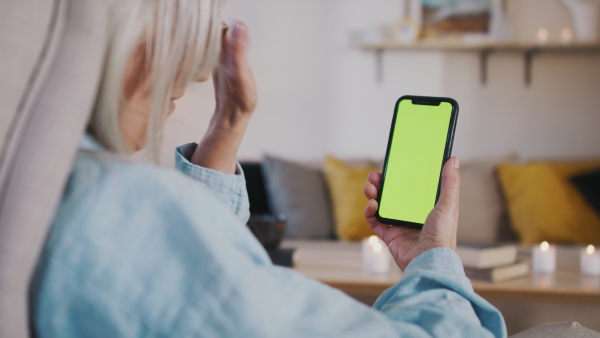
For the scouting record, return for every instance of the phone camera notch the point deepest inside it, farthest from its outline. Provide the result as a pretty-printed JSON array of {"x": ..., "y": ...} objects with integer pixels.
[{"x": 426, "y": 102}]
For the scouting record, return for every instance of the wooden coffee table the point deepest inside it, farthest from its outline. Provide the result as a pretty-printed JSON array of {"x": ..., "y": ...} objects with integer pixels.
[{"x": 338, "y": 264}]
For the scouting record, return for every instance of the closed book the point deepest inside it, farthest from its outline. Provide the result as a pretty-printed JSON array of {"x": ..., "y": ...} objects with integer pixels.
[
  {"x": 500, "y": 273},
  {"x": 486, "y": 256}
]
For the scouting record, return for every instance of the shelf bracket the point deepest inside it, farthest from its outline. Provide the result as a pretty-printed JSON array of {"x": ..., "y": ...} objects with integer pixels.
[
  {"x": 379, "y": 65},
  {"x": 483, "y": 65},
  {"x": 529, "y": 54}
]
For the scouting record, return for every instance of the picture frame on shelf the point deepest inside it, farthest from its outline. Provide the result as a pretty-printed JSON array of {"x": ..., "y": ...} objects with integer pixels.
[{"x": 457, "y": 19}]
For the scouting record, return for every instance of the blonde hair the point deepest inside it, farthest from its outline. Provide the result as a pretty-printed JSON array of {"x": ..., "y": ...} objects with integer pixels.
[{"x": 175, "y": 34}]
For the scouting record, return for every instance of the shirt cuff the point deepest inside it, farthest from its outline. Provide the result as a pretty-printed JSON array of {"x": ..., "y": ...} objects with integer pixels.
[
  {"x": 230, "y": 189},
  {"x": 435, "y": 268},
  {"x": 442, "y": 260}
]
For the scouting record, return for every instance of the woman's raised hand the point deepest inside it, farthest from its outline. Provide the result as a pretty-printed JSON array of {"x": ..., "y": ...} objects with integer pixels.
[
  {"x": 235, "y": 89},
  {"x": 235, "y": 93},
  {"x": 440, "y": 226}
]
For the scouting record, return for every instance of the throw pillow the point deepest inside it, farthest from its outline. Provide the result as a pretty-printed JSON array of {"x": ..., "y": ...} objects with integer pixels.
[
  {"x": 299, "y": 193},
  {"x": 588, "y": 185},
  {"x": 346, "y": 186},
  {"x": 544, "y": 206},
  {"x": 483, "y": 216}
]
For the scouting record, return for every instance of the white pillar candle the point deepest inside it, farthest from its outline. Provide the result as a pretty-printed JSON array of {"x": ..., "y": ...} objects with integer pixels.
[
  {"x": 375, "y": 255},
  {"x": 590, "y": 261},
  {"x": 544, "y": 258}
]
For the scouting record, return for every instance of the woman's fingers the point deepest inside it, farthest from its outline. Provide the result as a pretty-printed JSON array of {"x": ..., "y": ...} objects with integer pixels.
[
  {"x": 378, "y": 228},
  {"x": 239, "y": 38},
  {"x": 374, "y": 178},
  {"x": 235, "y": 88},
  {"x": 240, "y": 82},
  {"x": 370, "y": 191},
  {"x": 371, "y": 209},
  {"x": 450, "y": 190}
]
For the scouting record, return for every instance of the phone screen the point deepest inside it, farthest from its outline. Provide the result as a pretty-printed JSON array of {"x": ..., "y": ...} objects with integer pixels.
[{"x": 414, "y": 161}]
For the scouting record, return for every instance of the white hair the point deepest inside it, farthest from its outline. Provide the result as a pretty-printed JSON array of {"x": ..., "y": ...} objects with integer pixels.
[{"x": 175, "y": 33}]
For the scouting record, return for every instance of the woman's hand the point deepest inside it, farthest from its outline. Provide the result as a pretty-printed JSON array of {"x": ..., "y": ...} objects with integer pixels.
[
  {"x": 439, "y": 229},
  {"x": 235, "y": 93}
]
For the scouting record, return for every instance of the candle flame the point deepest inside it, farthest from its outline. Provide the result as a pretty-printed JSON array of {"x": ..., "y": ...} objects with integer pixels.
[
  {"x": 377, "y": 247},
  {"x": 566, "y": 33},
  {"x": 542, "y": 34},
  {"x": 373, "y": 240},
  {"x": 590, "y": 249},
  {"x": 544, "y": 246}
]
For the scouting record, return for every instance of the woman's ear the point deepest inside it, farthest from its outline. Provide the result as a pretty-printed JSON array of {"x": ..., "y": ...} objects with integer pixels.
[{"x": 136, "y": 71}]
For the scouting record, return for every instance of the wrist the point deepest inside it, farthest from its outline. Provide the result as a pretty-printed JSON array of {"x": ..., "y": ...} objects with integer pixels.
[
  {"x": 212, "y": 154},
  {"x": 225, "y": 135},
  {"x": 428, "y": 247},
  {"x": 228, "y": 122},
  {"x": 219, "y": 146}
]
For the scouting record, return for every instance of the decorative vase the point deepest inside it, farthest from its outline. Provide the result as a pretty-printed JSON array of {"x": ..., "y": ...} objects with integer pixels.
[
  {"x": 584, "y": 14},
  {"x": 501, "y": 26},
  {"x": 406, "y": 30}
]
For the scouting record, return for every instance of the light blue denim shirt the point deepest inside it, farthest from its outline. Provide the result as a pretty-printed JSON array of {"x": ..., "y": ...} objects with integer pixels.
[{"x": 143, "y": 251}]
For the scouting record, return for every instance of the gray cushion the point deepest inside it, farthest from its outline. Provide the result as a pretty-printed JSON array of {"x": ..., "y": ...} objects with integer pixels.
[
  {"x": 566, "y": 329},
  {"x": 483, "y": 216},
  {"x": 300, "y": 193},
  {"x": 52, "y": 54}
]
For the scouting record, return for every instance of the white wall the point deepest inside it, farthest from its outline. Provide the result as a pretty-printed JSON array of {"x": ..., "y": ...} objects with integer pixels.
[{"x": 318, "y": 94}]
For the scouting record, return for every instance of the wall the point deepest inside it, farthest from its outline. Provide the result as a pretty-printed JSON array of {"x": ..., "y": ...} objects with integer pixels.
[{"x": 318, "y": 94}]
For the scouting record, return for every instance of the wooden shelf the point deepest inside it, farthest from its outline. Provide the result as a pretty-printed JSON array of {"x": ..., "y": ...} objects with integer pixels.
[
  {"x": 529, "y": 50},
  {"x": 451, "y": 45}
]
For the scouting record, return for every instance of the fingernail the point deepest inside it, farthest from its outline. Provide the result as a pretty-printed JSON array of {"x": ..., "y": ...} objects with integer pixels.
[{"x": 456, "y": 162}]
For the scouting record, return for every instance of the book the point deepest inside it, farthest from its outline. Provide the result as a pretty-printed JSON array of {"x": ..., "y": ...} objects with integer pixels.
[
  {"x": 499, "y": 273},
  {"x": 486, "y": 256}
]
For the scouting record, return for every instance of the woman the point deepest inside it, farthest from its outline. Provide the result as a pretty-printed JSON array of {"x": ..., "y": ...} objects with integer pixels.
[{"x": 137, "y": 250}]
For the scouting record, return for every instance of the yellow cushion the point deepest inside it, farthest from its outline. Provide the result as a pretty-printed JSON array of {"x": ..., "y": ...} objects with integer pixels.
[
  {"x": 544, "y": 205},
  {"x": 346, "y": 185}
]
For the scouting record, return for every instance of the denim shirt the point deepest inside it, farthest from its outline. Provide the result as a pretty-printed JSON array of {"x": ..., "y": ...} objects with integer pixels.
[{"x": 142, "y": 251}]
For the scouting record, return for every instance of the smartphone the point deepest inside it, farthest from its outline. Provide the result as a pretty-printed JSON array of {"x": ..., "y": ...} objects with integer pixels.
[{"x": 420, "y": 143}]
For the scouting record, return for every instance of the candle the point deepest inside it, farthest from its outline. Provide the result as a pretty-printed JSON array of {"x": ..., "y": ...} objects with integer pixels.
[
  {"x": 590, "y": 261},
  {"x": 544, "y": 258},
  {"x": 375, "y": 256},
  {"x": 566, "y": 35},
  {"x": 542, "y": 35}
]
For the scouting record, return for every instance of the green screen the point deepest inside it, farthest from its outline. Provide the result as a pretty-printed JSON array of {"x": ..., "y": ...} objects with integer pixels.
[{"x": 414, "y": 162}]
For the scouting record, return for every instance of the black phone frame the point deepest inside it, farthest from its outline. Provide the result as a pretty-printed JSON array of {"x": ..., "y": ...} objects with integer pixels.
[{"x": 447, "y": 152}]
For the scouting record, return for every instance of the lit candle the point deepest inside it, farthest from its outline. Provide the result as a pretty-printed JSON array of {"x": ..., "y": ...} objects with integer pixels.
[
  {"x": 590, "y": 261},
  {"x": 566, "y": 35},
  {"x": 544, "y": 258},
  {"x": 542, "y": 35},
  {"x": 375, "y": 256}
]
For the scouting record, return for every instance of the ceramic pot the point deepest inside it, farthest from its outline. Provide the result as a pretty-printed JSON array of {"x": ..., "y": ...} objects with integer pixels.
[{"x": 268, "y": 229}]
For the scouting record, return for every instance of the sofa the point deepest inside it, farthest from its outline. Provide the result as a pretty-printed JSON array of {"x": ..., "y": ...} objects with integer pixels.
[{"x": 503, "y": 200}]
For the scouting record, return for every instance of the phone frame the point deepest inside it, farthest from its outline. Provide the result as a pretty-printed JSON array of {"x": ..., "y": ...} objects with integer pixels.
[{"x": 447, "y": 152}]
